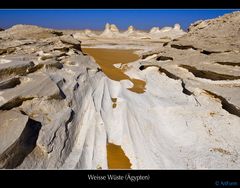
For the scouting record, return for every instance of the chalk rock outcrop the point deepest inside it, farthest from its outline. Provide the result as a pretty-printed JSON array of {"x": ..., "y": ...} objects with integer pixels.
[
  {"x": 130, "y": 30},
  {"x": 41, "y": 116},
  {"x": 213, "y": 36},
  {"x": 89, "y": 33},
  {"x": 204, "y": 63},
  {"x": 29, "y": 32},
  {"x": 166, "y": 32},
  {"x": 177, "y": 27},
  {"x": 111, "y": 30},
  {"x": 154, "y": 30},
  {"x": 58, "y": 110}
]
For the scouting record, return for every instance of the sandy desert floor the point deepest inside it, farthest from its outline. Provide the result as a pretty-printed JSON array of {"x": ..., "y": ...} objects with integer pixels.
[{"x": 107, "y": 58}]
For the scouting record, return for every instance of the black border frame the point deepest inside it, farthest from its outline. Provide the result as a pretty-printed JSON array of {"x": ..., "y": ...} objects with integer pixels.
[{"x": 121, "y": 4}]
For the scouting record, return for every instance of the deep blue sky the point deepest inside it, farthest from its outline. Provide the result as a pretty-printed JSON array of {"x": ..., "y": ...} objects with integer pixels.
[{"x": 96, "y": 19}]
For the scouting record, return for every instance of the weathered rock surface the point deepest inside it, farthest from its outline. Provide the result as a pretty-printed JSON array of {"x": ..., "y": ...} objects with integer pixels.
[
  {"x": 205, "y": 63},
  {"x": 18, "y": 137},
  {"x": 130, "y": 29},
  {"x": 58, "y": 110},
  {"x": 112, "y": 35},
  {"x": 38, "y": 97},
  {"x": 12, "y": 125},
  {"x": 214, "y": 36},
  {"x": 210, "y": 63},
  {"x": 22, "y": 32},
  {"x": 110, "y": 31},
  {"x": 166, "y": 32}
]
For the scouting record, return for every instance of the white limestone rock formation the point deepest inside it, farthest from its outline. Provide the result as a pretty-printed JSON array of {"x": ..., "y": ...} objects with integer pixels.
[
  {"x": 215, "y": 35},
  {"x": 38, "y": 89},
  {"x": 199, "y": 69},
  {"x": 130, "y": 30},
  {"x": 166, "y": 32},
  {"x": 89, "y": 33},
  {"x": 110, "y": 31},
  {"x": 154, "y": 30},
  {"x": 56, "y": 107},
  {"x": 29, "y": 32},
  {"x": 132, "y": 33},
  {"x": 165, "y": 29},
  {"x": 177, "y": 27},
  {"x": 9, "y": 131},
  {"x": 80, "y": 36},
  {"x": 113, "y": 28}
]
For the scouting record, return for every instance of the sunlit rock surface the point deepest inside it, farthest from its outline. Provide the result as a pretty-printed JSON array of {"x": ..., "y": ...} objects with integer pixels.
[{"x": 66, "y": 104}]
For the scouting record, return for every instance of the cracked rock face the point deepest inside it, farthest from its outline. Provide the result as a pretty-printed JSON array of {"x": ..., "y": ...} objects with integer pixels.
[
  {"x": 40, "y": 108},
  {"x": 59, "y": 109}
]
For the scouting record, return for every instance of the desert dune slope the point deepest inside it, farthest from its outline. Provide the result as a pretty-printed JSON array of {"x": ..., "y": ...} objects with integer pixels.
[{"x": 66, "y": 103}]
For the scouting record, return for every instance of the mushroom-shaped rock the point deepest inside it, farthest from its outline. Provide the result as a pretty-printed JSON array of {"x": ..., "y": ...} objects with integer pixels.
[
  {"x": 110, "y": 31},
  {"x": 114, "y": 28},
  {"x": 177, "y": 27},
  {"x": 131, "y": 28}
]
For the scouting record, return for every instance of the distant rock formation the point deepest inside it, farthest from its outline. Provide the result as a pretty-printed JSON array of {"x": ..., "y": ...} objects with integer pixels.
[
  {"x": 166, "y": 32},
  {"x": 31, "y": 32},
  {"x": 89, "y": 33},
  {"x": 111, "y": 30},
  {"x": 177, "y": 27},
  {"x": 154, "y": 30},
  {"x": 86, "y": 34},
  {"x": 130, "y": 29},
  {"x": 166, "y": 29}
]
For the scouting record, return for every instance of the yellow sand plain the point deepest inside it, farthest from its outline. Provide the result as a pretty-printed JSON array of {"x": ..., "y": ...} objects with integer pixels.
[{"x": 106, "y": 58}]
